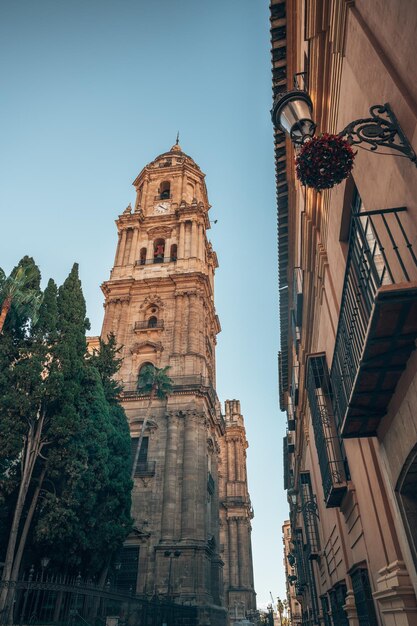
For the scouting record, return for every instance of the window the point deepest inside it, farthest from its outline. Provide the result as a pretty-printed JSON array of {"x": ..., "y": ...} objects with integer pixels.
[
  {"x": 142, "y": 256},
  {"x": 337, "y": 602},
  {"x": 325, "y": 610},
  {"x": 310, "y": 515},
  {"x": 152, "y": 322},
  {"x": 149, "y": 374},
  {"x": 128, "y": 558},
  {"x": 158, "y": 250},
  {"x": 363, "y": 598},
  {"x": 329, "y": 450},
  {"x": 173, "y": 254},
  {"x": 143, "y": 454},
  {"x": 165, "y": 190}
]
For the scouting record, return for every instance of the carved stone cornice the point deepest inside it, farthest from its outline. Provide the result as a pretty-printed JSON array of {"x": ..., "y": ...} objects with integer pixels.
[
  {"x": 160, "y": 231},
  {"x": 116, "y": 300},
  {"x": 141, "y": 346}
]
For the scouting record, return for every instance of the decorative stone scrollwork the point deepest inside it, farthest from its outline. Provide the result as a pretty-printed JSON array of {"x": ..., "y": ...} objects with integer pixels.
[
  {"x": 152, "y": 300},
  {"x": 160, "y": 231}
]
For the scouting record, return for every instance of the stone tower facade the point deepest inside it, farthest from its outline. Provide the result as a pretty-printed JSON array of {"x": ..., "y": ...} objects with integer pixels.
[
  {"x": 159, "y": 302},
  {"x": 235, "y": 516}
]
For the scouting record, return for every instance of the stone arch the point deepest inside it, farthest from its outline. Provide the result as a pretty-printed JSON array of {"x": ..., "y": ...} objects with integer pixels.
[{"x": 406, "y": 492}]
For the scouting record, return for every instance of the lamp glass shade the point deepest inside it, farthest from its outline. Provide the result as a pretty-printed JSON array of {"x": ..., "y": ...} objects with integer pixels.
[{"x": 292, "y": 112}]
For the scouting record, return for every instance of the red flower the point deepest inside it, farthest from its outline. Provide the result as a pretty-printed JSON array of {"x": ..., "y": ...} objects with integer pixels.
[{"x": 324, "y": 162}]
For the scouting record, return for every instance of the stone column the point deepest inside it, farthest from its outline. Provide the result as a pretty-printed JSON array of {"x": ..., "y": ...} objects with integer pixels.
[
  {"x": 243, "y": 552},
  {"x": 240, "y": 460},
  {"x": 193, "y": 323},
  {"x": 189, "y": 477},
  {"x": 179, "y": 305},
  {"x": 116, "y": 256},
  {"x": 181, "y": 241},
  {"x": 230, "y": 460},
  {"x": 170, "y": 478},
  {"x": 144, "y": 192},
  {"x": 194, "y": 242},
  {"x": 184, "y": 324},
  {"x": 122, "y": 248},
  {"x": 201, "y": 242},
  {"x": 133, "y": 250},
  {"x": 233, "y": 553},
  {"x": 149, "y": 251}
]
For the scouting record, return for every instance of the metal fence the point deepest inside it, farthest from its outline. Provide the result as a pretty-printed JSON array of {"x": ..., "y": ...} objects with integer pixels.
[
  {"x": 380, "y": 253},
  {"x": 75, "y": 602}
]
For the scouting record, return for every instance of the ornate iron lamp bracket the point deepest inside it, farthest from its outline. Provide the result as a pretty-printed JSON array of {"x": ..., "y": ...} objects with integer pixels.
[{"x": 381, "y": 130}]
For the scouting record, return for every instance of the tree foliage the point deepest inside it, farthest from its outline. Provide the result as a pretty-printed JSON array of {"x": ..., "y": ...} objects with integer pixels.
[
  {"x": 155, "y": 382},
  {"x": 65, "y": 440}
]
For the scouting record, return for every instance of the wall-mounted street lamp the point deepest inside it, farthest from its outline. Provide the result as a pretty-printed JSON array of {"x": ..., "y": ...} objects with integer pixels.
[{"x": 292, "y": 113}]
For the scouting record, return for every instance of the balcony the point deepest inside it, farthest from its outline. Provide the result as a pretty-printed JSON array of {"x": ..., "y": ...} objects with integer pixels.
[
  {"x": 155, "y": 260},
  {"x": 181, "y": 384},
  {"x": 378, "y": 321},
  {"x": 294, "y": 387},
  {"x": 145, "y": 469},
  {"x": 146, "y": 325},
  {"x": 290, "y": 415},
  {"x": 330, "y": 451}
]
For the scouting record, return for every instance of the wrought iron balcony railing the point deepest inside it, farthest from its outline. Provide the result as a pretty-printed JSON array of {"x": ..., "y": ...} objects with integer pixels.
[
  {"x": 145, "y": 468},
  {"x": 152, "y": 261},
  {"x": 377, "y": 323},
  {"x": 329, "y": 449},
  {"x": 310, "y": 516},
  {"x": 148, "y": 325},
  {"x": 180, "y": 384}
]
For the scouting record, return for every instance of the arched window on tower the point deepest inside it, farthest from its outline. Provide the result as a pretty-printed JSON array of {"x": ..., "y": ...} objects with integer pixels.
[
  {"x": 165, "y": 190},
  {"x": 145, "y": 372},
  {"x": 142, "y": 256},
  {"x": 153, "y": 321},
  {"x": 173, "y": 254},
  {"x": 158, "y": 250}
]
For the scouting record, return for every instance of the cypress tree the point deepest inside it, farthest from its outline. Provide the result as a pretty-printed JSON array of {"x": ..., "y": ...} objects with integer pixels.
[{"x": 70, "y": 403}]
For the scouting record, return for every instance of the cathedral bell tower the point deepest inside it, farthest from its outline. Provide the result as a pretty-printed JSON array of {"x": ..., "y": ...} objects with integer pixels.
[{"x": 159, "y": 302}]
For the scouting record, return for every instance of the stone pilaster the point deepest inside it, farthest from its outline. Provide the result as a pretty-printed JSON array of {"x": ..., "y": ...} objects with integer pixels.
[{"x": 169, "y": 512}]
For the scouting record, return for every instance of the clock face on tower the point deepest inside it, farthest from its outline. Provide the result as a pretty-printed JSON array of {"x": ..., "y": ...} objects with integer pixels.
[{"x": 162, "y": 207}]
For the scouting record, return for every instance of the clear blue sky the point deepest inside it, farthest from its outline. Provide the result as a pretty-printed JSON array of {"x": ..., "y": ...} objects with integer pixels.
[{"x": 91, "y": 91}]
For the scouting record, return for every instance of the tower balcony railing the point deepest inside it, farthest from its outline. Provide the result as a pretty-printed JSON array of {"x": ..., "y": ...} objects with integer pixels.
[
  {"x": 145, "y": 325},
  {"x": 145, "y": 468},
  {"x": 378, "y": 320},
  {"x": 155, "y": 260},
  {"x": 196, "y": 382}
]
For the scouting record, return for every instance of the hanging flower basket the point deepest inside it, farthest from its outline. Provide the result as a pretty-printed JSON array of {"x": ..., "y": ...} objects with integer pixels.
[{"x": 324, "y": 162}]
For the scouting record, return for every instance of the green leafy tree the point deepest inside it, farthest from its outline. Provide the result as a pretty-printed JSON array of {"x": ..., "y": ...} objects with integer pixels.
[
  {"x": 63, "y": 406},
  {"x": 21, "y": 397},
  {"x": 114, "y": 502},
  {"x": 20, "y": 289},
  {"x": 85, "y": 518},
  {"x": 155, "y": 382}
]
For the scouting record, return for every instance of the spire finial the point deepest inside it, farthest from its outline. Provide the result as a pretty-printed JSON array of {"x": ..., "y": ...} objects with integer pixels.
[{"x": 178, "y": 138}]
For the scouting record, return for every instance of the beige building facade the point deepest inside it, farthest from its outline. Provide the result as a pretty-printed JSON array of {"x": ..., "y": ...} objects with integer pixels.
[
  {"x": 289, "y": 564},
  {"x": 348, "y": 310},
  {"x": 159, "y": 302}
]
